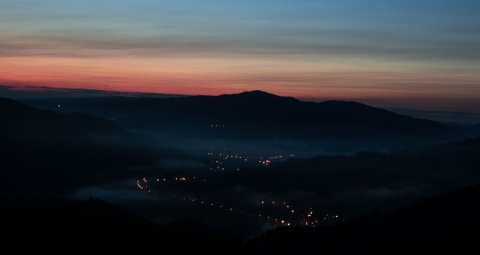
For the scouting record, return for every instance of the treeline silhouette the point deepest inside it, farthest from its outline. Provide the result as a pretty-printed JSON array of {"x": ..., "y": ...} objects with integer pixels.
[{"x": 444, "y": 223}]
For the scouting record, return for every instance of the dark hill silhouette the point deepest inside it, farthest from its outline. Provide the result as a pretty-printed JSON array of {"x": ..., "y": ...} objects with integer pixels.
[
  {"x": 445, "y": 223},
  {"x": 48, "y": 153},
  {"x": 382, "y": 116},
  {"x": 17, "y": 117},
  {"x": 259, "y": 115},
  {"x": 94, "y": 224},
  {"x": 259, "y": 94},
  {"x": 462, "y": 146}
]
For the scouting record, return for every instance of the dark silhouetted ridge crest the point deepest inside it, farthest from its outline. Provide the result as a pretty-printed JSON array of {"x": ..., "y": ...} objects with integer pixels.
[
  {"x": 257, "y": 95},
  {"x": 257, "y": 114}
]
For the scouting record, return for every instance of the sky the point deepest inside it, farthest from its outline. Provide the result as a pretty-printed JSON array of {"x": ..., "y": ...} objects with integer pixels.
[{"x": 422, "y": 54}]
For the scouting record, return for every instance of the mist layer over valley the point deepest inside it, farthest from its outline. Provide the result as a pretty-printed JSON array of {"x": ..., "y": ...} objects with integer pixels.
[{"x": 244, "y": 163}]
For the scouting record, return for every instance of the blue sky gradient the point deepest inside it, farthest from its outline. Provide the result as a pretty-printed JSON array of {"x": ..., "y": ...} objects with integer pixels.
[{"x": 402, "y": 52}]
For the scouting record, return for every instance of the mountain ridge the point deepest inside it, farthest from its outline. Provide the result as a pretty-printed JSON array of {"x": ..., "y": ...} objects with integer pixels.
[{"x": 258, "y": 115}]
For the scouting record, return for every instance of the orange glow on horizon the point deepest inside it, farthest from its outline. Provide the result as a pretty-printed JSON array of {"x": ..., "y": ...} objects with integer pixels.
[{"x": 311, "y": 80}]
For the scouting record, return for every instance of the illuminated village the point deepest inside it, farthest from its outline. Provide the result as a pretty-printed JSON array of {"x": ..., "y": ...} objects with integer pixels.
[{"x": 279, "y": 212}]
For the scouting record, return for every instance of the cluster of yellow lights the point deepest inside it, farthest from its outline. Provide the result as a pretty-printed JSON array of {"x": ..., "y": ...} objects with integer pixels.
[{"x": 310, "y": 223}]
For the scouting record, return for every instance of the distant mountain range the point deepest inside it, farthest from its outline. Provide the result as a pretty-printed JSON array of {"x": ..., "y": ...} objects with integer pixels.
[
  {"x": 26, "y": 91},
  {"x": 41, "y": 124},
  {"x": 258, "y": 115}
]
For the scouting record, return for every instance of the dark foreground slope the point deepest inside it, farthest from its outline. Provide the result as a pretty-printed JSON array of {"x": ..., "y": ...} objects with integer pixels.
[
  {"x": 57, "y": 225},
  {"x": 444, "y": 224}
]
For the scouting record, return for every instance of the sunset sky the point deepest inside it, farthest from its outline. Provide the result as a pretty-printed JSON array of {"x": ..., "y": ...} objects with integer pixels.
[{"x": 410, "y": 53}]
